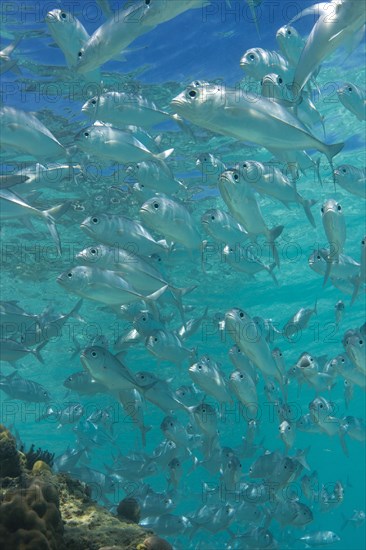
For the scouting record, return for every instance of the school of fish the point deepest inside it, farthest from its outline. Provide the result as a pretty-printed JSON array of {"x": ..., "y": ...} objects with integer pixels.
[{"x": 164, "y": 225}]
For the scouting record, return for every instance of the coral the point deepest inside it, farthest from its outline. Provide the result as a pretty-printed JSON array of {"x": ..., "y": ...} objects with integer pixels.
[
  {"x": 33, "y": 455},
  {"x": 43, "y": 511},
  {"x": 153, "y": 542},
  {"x": 30, "y": 517},
  {"x": 10, "y": 464}
]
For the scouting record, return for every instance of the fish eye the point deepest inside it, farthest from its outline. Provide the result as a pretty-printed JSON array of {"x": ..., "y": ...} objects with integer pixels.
[
  {"x": 192, "y": 94},
  {"x": 86, "y": 134},
  {"x": 80, "y": 54},
  {"x": 321, "y": 405},
  {"x": 241, "y": 314},
  {"x": 322, "y": 209},
  {"x": 344, "y": 170},
  {"x": 339, "y": 208},
  {"x": 280, "y": 80},
  {"x": 318, "y": 257},
  {"x": 155, "y": 339},
  {"x": 147, "y": 2},
  {"x": 95, "y": 220},
  {"x": 156, "y": 205},
  {"x": 69, "y": 275},
  {"x": 350, "y": 89},
  {"x": 93, "y": 251},
  {"x": 63, "y": 15},
  {"x": 236, "y": 177},
  {"x": 212, "y": 217},
  {"x": 93, "y": 354},
  {"x": 289, "y": 32},
  {"x": 93, "y": 101},
  {"x": 245, "y": 165},
  {"x": 252, "y": 57},
  {"x": 241, "y": 376},
  {"x": 360, "y": 342}
]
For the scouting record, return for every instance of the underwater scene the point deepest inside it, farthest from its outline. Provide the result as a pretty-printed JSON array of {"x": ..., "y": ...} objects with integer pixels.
[{"x": 183, "y": 275}]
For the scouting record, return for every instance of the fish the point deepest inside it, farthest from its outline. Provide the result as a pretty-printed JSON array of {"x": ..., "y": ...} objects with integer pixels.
[
  {"x": 211, "y": 167},
  {"x": 107, "y": 369},
  {"x": 12, "y": 350},
  {"x": 23, "y": 131},
  {"x": 156, "y": 176},
  {"x": 123, "y": 109},
  {"x": 353, "y": 99},
  {"x": 223, "y": 227},
  {"x": 247, "y": 118},
  {"x": 172, "y": 220},
  {"x": 320, "y": 413},
  {"x": 352, "y": 179},
  {"x": 241, "y": 327},
  {"x": 320, "y": 538},
  {"x": 123, "y": 27},
  {"x": 360, "y": 279},
  {"x": 167, "y": 346},
  {"x": 242, "y": 385},
  {"x": 70, "y": 36},
  {"x": 299, "y": 321},
  {"x": 208, "y": 375},
  {"x": 158, "y": 391},
  {"x": 115, "y": 144},
  {"x": 123, "y": 232},
  {"x": 335, "y": 229},
  {"x": 243, "y": 205},
  {"x": 9, "y": 180},
  {"x": 132, "y": 404},
  {"x": 17, "y": 387},
  {"x": 167, "y": 524},
  {"x": 356, "y": 520},
  {"x": 244, "y": 260},
  {"x": 6, "y": 62},
  {"x": 291, "y": 44},
  {"x": 257, "y": 62},
  {"x": 339, "y": 21},
  {"x": 339, "y": 311},
  {"x": 84, "y": 384},
  {"x": 102, "y": 285},
  {"x": 15, "y": 207},
  {"x": 346, "y": 268}
]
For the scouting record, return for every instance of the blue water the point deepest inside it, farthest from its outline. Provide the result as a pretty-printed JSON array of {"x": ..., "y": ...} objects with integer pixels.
[{"x": 203, "y": 44}]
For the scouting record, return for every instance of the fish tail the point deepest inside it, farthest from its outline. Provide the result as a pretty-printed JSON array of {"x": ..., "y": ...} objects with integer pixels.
[
  {"x": 270, "y": 271},
  {"x": 144, "y": 429},
  {"x": 342, "y": 440},
  {"x": 307, "y": 204},
  {"x": 36, "y": 352},
  {"x": 330, "y": 152},
  {"x": 274, "y": 233},
  {"x": 357, "y": 282},
  {"x": 50, "y": 215},
  {"x": 164, "y": 155},
  {"x": 328, "y": 269}
]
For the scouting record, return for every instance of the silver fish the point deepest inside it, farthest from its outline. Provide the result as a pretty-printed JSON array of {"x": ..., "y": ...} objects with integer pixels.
[
  {"x": 243, "y": 205},
  {"x": 353, "y": 99},
  {"x": 339, "y": 20},
  {"x": 24, "y": 132},
  {"x": 352, "y": 179},
  {"x": 247, "y": 118},
  {"x": 17, "y": 387},
  {"x": 335, "y": 229},
  {"x": 114, "y": 144},
  {"x": 102, "y": 285},
  {"x": 172, "y": 220}
]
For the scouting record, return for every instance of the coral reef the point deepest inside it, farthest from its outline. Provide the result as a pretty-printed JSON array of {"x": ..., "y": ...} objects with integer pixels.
[
  {"x": 10, "y": 463},
  {"x": 40, "y": 510},
  {"x": 33, "y": 456}
]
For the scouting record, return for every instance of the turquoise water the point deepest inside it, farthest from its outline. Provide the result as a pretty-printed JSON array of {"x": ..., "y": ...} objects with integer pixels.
[{"x": 204, "y": 44}]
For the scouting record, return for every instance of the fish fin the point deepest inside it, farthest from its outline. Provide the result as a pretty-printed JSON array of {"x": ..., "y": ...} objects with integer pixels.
[
  {"x": 183, "y": 126},
  {"x": 315, "y": 9},
  {"x": 144, "y": 429},
  {"x": 274, "y": 233},
  {"x": 270, "y": 271},
  {"x": 54, "y": 234},
  {"x": 328, "y": 269},
  {"x": 37, "y": 350},
  {"x": 164, "y": 155},
  {"x": 307, "y": 204},
  {"x": 357, "y": 282},
  {"x": 330, "y": 152},
  {"x": 75, "y": 311},
  {"x": 155, "y": 295},
  {"x": 342, "y": 439}
]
